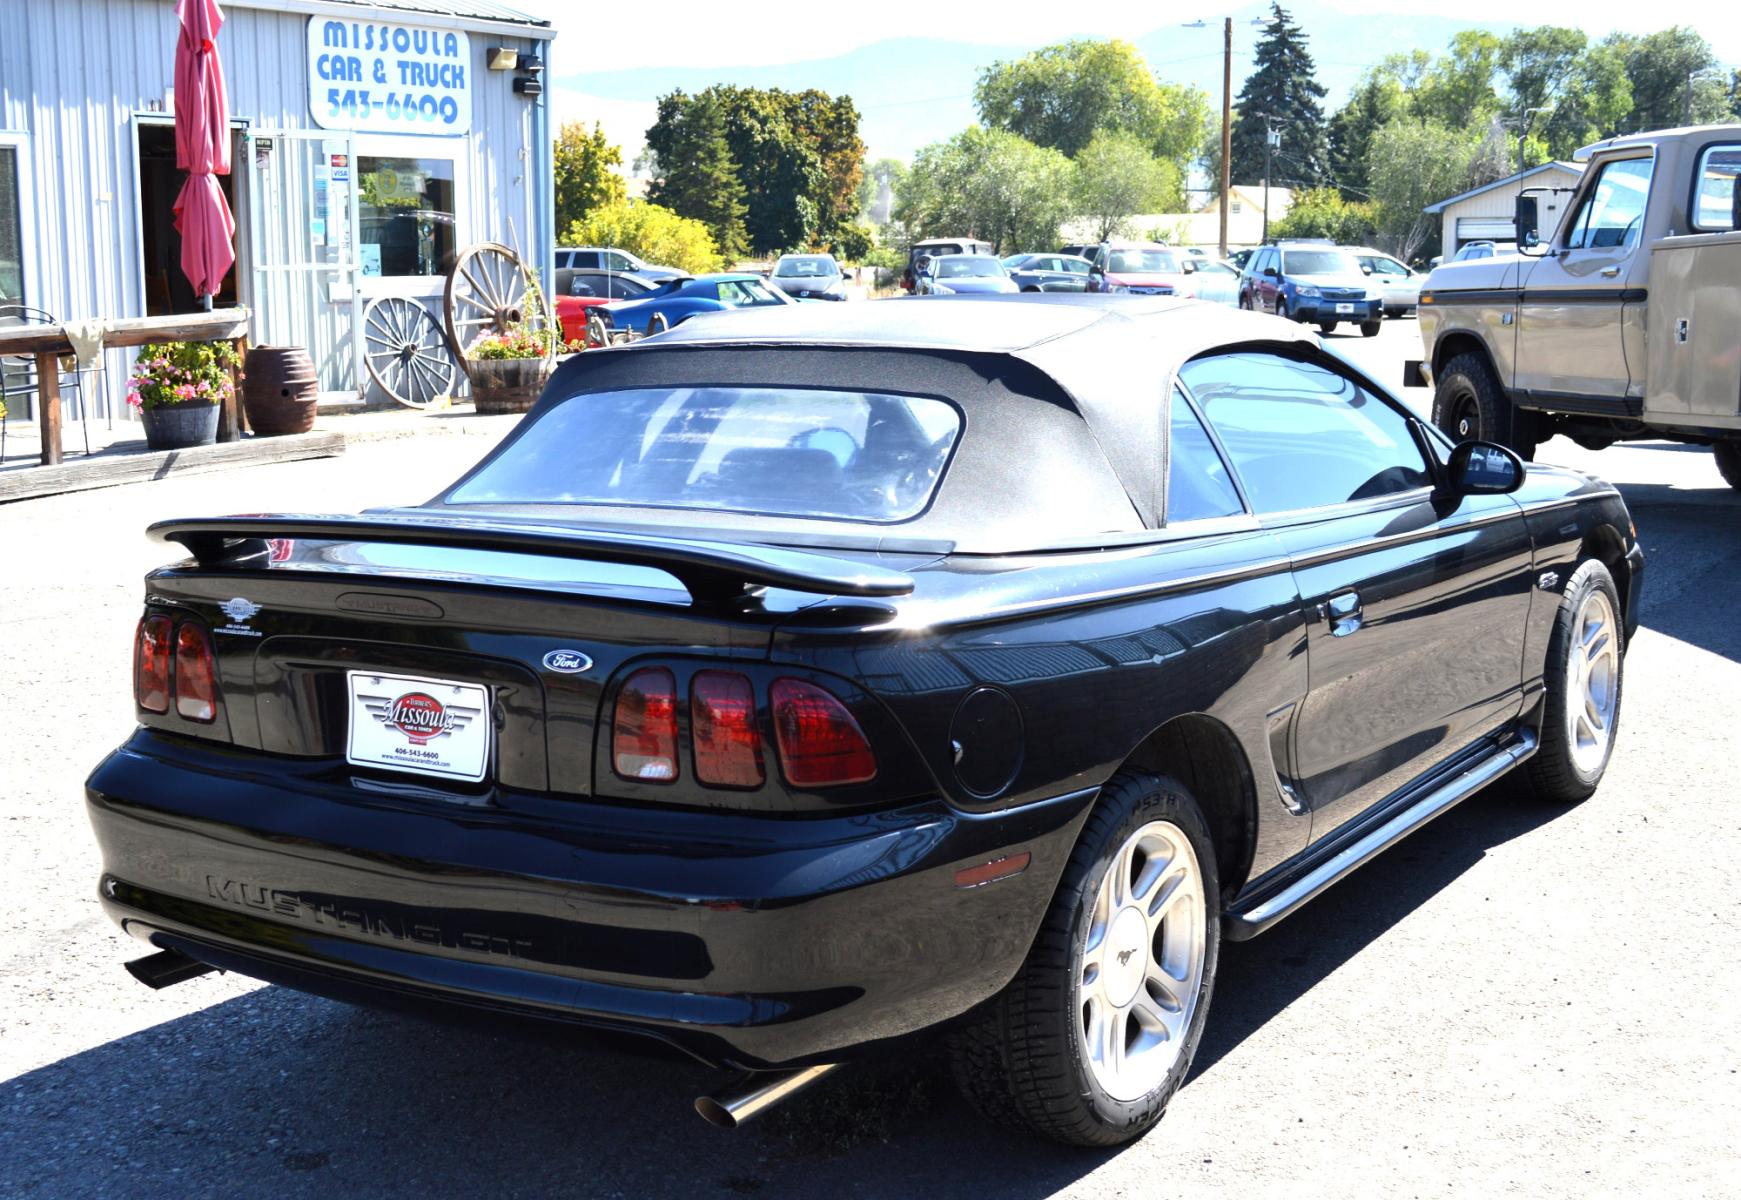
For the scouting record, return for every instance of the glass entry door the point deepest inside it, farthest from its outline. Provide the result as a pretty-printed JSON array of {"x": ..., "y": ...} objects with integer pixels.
[
  {"x": 303, "y": 236},
  {"x": 11, "y": 229}
]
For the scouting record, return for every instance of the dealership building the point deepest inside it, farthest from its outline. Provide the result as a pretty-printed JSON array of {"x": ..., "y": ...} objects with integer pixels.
[{"x": 370, "y": 143}]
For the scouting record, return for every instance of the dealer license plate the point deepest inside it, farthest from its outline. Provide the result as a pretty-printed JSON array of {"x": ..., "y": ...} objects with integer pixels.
[
  {"x": 1344, "y": 308},
  {"x": 425, "y": 726}
]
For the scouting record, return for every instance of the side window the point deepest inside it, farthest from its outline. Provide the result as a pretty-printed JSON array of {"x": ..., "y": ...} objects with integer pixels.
[
  {"x": 1717, "y": 202},
  {"x": 1302, "y": 436},
  {"x": 1612, "y": 213},
  {"x": 620, "y": 262},
  {"x": 1198, "y": 483},
  {"x": 587, "y": 259}
]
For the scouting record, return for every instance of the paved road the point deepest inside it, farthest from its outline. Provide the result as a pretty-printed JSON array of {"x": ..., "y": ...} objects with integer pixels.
[{"x": 1518, "y": 1001}]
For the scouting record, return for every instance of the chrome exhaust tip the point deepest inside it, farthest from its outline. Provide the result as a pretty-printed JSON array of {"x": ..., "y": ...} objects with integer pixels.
[
  {"x": 755, "y": 1094},
  {"x": 166, "y": 968}
]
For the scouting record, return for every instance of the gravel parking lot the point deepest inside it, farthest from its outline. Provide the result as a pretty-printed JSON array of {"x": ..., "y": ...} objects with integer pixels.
[{"x": 1518, "y": 1001}]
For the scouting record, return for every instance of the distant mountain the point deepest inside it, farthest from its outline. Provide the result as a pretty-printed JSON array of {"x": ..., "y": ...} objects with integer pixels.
[{"x": 914, "y": 91}]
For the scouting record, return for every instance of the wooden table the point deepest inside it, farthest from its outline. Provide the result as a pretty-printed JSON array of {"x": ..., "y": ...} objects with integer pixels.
[{"x": 49, "y": 345}]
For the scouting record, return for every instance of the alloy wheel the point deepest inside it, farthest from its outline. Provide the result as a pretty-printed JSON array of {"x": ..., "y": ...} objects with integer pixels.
[
  {"x": 1140, "y": 969},
  {"x": 1592, "y": 681}
]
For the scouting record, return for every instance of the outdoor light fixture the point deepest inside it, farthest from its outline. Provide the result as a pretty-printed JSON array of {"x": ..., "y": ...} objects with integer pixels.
[
  {"x": 503, "y": 59},
  {"x": 531, "y": 64},
  {"x": 529, "y": 84}
]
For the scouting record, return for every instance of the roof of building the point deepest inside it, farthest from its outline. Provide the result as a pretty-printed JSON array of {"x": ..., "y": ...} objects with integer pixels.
[
  {"x": 463, "y": 11},
  {"x": 1570, "y": 168}
]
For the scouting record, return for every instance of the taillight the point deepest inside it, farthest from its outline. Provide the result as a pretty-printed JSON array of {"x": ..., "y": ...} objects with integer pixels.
[
  {"x": 644, "y": 730},
  {"x": 151, "y": 665},
  {"x": 820, "y": 743},
  {"x": 196, "y": 689},
  {"x": 722, "y": 720}
]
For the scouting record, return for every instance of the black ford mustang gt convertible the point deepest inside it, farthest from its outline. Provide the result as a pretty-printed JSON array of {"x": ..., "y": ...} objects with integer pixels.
[{"x": 788, "y": 685}]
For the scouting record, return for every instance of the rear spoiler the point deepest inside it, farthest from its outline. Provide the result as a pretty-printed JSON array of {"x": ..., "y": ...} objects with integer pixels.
[{"x": 711, "y": 571}]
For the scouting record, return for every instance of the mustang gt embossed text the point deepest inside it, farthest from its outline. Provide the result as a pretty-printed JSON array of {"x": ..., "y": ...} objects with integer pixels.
[{"x": 793, "y": 687}]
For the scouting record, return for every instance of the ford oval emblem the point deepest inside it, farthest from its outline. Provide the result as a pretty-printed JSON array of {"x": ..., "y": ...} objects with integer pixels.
[{"x": 567, "y": 662}]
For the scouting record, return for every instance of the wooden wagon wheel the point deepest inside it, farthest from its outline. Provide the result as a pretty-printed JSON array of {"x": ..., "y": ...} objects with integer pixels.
[
  {"x": 488, "y": 292},
  {"x": 405, "y": 352}
]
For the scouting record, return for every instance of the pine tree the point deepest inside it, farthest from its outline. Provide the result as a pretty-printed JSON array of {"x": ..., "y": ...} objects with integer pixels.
[
  {"x": 696, "y": 175},
  {"x": 1284, "y": 87}
]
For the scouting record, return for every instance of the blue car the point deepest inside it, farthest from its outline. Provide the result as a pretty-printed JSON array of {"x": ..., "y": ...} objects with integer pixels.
[
  {"x": 681, "y": 299},
  {"x": 1049, "y": 272},
  {"x": 1311, "y": 281}
]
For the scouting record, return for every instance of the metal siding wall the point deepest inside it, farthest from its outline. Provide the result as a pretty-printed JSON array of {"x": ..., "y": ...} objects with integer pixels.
[{"x": 72, "y": 74}]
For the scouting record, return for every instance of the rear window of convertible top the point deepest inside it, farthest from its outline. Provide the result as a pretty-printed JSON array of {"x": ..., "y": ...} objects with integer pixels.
[{"x": 793, "y": 452}]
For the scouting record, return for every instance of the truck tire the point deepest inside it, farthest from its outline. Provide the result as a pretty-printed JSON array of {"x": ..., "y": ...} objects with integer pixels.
[
  {"x": 1470, "y": 405},
  {"x": 1728, "y": 456},
  {"x": 1072, "y": 1048}
]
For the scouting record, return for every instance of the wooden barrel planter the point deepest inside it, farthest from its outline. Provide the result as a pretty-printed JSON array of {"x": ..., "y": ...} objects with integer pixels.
[
  {"x": 506, "y": 385},
  {"x": 280, "y": 390}
]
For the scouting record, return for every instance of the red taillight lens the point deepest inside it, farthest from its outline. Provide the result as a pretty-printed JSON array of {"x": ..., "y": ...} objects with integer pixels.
[
  {"x": 722, "y": 720},
  {"x": 196, "y": 689},
  {"x": 151, "y": 665},
  {"x": 644, "y": 730},
  {"x": 820, "y": 743}
]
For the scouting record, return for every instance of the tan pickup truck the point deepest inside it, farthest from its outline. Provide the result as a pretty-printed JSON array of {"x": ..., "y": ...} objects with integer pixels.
[{"x": 1624, "y": 323}]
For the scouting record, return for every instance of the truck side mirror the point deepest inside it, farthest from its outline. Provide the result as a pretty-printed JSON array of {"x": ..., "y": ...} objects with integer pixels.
[{"x": 1528, "y": 222}]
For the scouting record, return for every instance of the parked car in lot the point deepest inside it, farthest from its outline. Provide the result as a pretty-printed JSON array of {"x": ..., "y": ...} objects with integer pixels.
[
  {"x": 1474, "y": 251},
  {"x": 932, "y": 248},
  {"x": 1141, "y": 268},
  {"x": 606, "y": 258},
  {"x": 1215, "y": 281},
  {"x": 1398, "y": 285},
  {"x": 976, "y": 274},
  {"x": 809, "y": 277},
  {"x": 591, "y": 289},
  {"x": 1311, "y": 281},
  {"x": 1048, "y": 272},
  {"x": 1619, "y": 325},
  {"x": 674, "y": 302},
  {"x": 786, "y": 686}
]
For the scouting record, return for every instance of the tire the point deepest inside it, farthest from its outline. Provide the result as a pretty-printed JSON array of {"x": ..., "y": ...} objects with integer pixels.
[
  {"x": 1728, "y": 456},
  {"x": 1371, "y": 328},
  {"x": 1326, "y": 328},
  {"x": 1282, "y": 309},
  {"x": 1245, "y": 302},
  {"x": 1024, "y": 1058},
  {"x": 1470, "y": 405},
  {"x": 1581, "y": 711}
]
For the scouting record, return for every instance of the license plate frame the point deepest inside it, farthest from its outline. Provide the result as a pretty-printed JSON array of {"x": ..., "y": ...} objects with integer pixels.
[
  {"x": 415, "y": 725},
  {"x": 1344, "y": 308}
]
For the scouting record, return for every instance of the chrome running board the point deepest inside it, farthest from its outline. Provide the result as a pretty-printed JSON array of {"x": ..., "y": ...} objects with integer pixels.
[{"x": 1265, "y": 910}]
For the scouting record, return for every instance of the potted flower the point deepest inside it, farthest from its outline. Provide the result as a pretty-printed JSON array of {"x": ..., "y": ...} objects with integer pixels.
[
  {"x": 508, "y": 369},
  {"x": 177, "y": 388}
]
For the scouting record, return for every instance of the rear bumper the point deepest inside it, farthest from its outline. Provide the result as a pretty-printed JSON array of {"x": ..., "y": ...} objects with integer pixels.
[{"x": 746, "y": 941}]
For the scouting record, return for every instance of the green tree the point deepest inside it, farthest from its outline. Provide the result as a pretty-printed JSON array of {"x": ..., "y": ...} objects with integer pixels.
[
  {"x": 585, "y": 172},
  {"x": 1674, "y": 78},
  {"x": 1461, "y": 87},
  {"x": 1284, "y": 92},
  {"x": 1378, "y": 99},
  {"x": 1116, "y": 177},
  {"x": 1413, "y": 164},
  {"x": 987, "y": 183},
  {"x": 1582, "y": 88},
  {"x": 652, "y": 231},
  {"x": 1061, "y": 96},
  {"x": 1323, "y": 213},
  {"x": 876, "y": 194},
  {"x": 696, "y": 175}
]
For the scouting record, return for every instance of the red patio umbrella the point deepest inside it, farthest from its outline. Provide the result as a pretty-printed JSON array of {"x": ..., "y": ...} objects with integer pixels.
[{"x": 202, "y": 149}]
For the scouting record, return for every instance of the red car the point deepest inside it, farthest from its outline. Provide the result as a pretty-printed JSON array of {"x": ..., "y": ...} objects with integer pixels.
[
  {"x": 1146, "y": 268},
  {"x": 587, "y": 289}
]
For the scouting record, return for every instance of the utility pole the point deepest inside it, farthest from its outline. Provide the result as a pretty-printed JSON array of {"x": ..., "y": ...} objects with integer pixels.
[
  {"x": 1226, "y": 130},
  {"x": 1270, "y": 141}
]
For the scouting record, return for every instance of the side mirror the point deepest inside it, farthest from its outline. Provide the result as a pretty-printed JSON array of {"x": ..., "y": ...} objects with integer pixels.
[
  {"x": 1484, "y": 469},
  {"x": 1528, "y": 222},
  {"x": 1190, "y": 268},
  {"x": 1270, "y": 273}
]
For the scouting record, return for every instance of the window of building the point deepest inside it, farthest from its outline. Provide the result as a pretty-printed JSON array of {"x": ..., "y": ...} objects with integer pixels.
[
  {"x": 1301, "y": 436},
  {"x": 406, "y": 208},
  {"x": 11, "y": 230}
]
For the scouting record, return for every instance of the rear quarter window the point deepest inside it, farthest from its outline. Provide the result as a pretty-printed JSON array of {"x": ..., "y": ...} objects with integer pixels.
[{"x": 855, "y": 456}]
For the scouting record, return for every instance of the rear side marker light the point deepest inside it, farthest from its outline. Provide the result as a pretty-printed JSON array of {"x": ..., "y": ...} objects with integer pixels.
[
  {"x": 196, "y": 689},
  {"x": 991, "y": 872},
  {"x": 821, "y": 745},
  {"x": 151, "y": 664},
  {"x": 644, "y": 729},
  {"x": 722, "y": 721}
]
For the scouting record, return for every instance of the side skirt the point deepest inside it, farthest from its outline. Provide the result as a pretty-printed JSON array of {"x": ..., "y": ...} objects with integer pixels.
[{"x": 1324, "y": 865}]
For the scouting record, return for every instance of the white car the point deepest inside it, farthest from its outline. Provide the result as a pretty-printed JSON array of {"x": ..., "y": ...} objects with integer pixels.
[{"x": 1398, "y": 284}]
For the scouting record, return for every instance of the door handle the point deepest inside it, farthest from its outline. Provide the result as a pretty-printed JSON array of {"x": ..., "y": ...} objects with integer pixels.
[
  {"x": 1342, "y": 613},
  {"x": 1610, "y": 272}
]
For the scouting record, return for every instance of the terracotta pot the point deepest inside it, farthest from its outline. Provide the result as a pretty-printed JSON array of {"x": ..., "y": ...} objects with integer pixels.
[
  {"x": 280, "y": 390},
  {"x": 178, "y": 426},
  {"x": 506, "y": 385}
]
